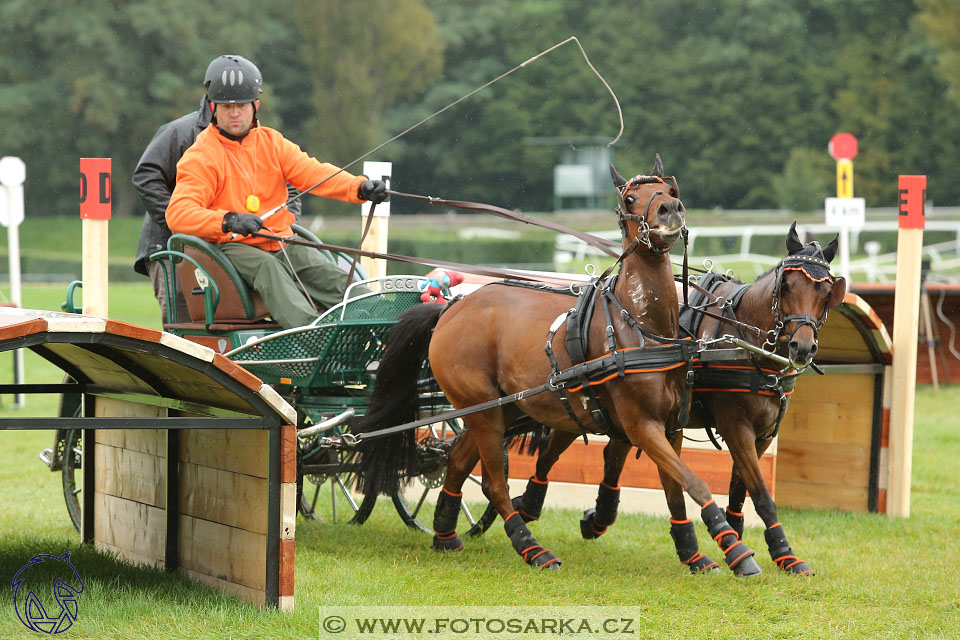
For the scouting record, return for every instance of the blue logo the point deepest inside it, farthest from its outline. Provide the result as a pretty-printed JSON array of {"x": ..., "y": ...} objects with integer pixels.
[{"x": 35, "y": 580}]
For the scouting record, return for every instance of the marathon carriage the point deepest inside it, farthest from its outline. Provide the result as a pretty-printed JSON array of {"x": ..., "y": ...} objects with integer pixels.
[{"x": 329, "y": 372}]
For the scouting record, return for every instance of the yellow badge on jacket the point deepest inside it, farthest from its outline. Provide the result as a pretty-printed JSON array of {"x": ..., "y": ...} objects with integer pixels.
[{"x": 253, "y": 203}]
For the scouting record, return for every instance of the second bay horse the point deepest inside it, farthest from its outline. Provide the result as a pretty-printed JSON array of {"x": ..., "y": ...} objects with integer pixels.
[{"x": 789, "y": 304}]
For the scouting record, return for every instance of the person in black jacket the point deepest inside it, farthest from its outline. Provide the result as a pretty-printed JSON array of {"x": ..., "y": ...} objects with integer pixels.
[{"x": 154, "y": 179}]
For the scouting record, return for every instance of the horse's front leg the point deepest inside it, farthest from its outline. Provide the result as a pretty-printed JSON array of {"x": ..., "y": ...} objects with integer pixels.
[
  {"x": 681, "y": 527},
  {"x": 746, "y": 451},
  {"x": 596, "y": 521},
  {"x": 530, "y": 503},
  {"x": 649, "y": 435}
]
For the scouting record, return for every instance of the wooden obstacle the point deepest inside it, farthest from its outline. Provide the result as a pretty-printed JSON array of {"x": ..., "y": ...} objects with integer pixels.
[
  {"x": 946, "y": 296},
  {"x": 189, "y": 462}
]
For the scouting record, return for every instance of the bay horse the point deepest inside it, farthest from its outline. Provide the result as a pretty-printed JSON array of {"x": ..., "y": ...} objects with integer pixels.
[
  {"x": 490, "y": 345},
  {"x": 745, "y": 405}
]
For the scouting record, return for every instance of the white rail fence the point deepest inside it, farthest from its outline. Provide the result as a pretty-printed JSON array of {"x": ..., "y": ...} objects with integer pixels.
[{"x": 874, "y": 267}]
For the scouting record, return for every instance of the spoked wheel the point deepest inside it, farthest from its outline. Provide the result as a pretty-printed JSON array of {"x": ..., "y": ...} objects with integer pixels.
[
  {"x": 432, "y": 451},
  {"x": 69, "y": 454},
  {"x": 71, "y": 473},
  {"x": 317, "y": 467}
]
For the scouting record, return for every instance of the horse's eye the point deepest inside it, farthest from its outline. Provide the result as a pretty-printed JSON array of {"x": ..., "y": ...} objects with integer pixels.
[{"x": 629, "y": 200}]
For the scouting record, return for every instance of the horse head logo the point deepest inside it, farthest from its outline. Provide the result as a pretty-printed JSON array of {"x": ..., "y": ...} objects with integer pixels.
[{"x": 35, "y": 580}]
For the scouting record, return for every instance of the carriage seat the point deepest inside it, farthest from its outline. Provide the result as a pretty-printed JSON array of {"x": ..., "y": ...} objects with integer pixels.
[{"x": 238, "y": 307}]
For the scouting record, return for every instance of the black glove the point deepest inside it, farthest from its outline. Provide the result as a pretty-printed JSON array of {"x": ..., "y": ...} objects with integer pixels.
[
  {"x": 242, "y": 223},
  {"x": 373, "y": 190}
]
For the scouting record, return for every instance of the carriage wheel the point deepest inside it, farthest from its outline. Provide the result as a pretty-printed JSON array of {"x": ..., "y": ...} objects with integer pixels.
[
  {"x": 71, "y": 473},
  {"x": 68, "y": 451},
  {"x": 323, "y": 467},
  {"x": 410, "y": 506}
]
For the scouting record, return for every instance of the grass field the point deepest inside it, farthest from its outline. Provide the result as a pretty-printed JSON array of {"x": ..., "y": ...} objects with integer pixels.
[{"x": 876, "y": 577}]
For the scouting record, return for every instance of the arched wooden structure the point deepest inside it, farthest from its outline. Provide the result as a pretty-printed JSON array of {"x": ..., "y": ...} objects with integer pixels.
[{"x": 189, "y": 462}]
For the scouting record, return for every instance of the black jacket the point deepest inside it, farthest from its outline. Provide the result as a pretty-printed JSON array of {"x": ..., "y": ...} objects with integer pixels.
[{"x": 156, "y": 176}]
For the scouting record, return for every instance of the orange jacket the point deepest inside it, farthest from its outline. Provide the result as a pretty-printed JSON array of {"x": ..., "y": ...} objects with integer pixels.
[{"x": 211, "y": 182}]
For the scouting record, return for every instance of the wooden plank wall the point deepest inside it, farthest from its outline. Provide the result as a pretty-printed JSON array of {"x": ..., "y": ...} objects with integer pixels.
[
  {"x": 223, "y": 507},
  {"x": 223, "y": 497},
  {"x": 130, "y": 486},
  {"x": 824, "y": 449}
]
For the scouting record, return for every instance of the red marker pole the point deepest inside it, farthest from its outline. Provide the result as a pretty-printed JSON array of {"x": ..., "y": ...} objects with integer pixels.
[
  {"x": 96, "y": 196},
  {"x": 906, "y": 323}
]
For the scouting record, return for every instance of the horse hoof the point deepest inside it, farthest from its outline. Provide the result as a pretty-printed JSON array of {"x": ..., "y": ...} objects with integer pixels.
[
  {"x": 545, "y": 560},
  {"x": 747, "y": 568},
  {"x": 704, "y": 564},
  {"x": 801, "y": 568},
  {"x": 588, "y": 528},
  {"x": 453, "y": 543}
]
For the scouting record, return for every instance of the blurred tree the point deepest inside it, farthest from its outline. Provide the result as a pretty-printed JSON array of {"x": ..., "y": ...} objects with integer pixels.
[
  {"x": 357, "y": 60},
  {"x": 727, "y": 91},
  {"x": 940, "y": 19},
  {"x": 803, "y": 184},
  {"x": 97, "y": 79}
]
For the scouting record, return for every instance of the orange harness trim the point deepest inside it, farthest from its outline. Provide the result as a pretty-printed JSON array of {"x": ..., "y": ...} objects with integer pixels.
[
  {"x": 809, "y": 277},
  {"x": 616, "y": 375}
]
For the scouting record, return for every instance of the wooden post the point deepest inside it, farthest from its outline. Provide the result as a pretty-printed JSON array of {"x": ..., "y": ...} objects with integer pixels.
[
  {"x": 376, "y": 239},
  {"x": 95, "y": 210},
  {"x": 906, "y": 316}
]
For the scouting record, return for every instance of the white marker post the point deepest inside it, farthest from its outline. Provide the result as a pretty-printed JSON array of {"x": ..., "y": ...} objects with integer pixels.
[
  {"x": 376, "y": 239},
  {"x": 95, "y": 210},
  {"x": 906, "y": 320},
  {"x": 13, "y": 173}
]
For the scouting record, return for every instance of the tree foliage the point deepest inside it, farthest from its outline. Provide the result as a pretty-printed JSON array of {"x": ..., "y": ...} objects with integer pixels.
[{"x": 740, "y": 97}]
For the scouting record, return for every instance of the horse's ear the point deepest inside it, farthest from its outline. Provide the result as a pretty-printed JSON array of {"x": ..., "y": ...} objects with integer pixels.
[
  {"x": 618, "y": 180},
  {"x": 830, "y": 251},
  {"x": 836, "y": 294},
  {"x": 657, "y": 167},
  {"x": 793, "y": 240}
]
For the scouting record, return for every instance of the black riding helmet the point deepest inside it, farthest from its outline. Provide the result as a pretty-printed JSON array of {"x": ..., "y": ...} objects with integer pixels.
[{"x": 232, "y": 79}]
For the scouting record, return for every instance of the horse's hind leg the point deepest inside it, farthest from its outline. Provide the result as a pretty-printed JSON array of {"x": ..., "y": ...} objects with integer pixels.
[
  {"x": 746, "y": 452},
  {"x": 486, "y": 441},
  {"x": 738, "y": 556},
  {"x": 596, "y": 521},
  {"x": 463, "y": 458},
  {"x": 681, "y": 527},
  {"x": 530, "y": 503}
]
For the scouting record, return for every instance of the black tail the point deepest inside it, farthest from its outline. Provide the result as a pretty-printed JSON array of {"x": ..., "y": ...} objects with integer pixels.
[{"x": 386, "y": 461}]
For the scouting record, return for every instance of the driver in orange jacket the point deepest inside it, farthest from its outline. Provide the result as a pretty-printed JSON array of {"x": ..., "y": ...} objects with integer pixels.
[{"x": 238, "y": 170}]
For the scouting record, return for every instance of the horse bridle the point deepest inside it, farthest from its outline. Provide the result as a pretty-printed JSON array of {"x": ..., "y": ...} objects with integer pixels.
[
  {"x": 796, "y": 263},
  {"x": 623, "y": 215}
]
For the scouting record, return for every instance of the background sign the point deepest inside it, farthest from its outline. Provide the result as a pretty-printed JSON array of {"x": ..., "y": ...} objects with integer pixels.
[
  {"x": 846, "y": 212},
  {"x": 843, "y": 146},
  {"x": 13, "y": 173},
  {"x": 95, "y": 188}
]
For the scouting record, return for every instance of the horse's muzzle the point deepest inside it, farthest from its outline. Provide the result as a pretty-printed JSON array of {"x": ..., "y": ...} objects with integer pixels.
[{"x": 801, "y": 352}]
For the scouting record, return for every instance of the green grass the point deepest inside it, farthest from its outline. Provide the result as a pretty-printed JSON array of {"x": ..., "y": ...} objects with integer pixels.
[{"x": 876, "y": 577}]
